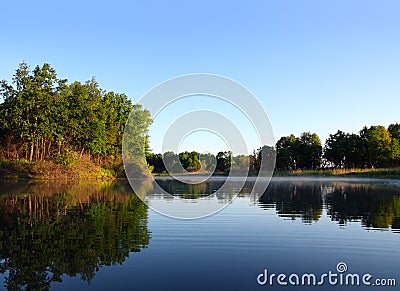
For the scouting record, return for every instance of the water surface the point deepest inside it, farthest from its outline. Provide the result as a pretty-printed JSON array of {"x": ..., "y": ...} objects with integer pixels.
[{"x": 101, "y": 236}]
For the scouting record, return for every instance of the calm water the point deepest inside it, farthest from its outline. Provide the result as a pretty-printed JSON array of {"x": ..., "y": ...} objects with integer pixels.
[{"x": 102, "y": 237}]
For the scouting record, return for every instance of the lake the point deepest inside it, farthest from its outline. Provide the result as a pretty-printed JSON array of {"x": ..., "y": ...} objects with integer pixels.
[{"x": 100, "y": 236}]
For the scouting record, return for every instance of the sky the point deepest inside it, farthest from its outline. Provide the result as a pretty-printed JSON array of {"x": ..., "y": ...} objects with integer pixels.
[{"x": 315, "y": 66}]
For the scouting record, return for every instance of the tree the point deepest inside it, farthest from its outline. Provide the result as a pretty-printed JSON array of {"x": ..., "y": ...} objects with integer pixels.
[
  {"x": 31, "y": 107},
  {"x": 190, "y": 161},
  {"x": 134, "y": 142},
  {"x": 345, "y": 150},
  {"x": 171, "y": 162},
  {"x": 241, "y": 162},
  {"x": 395, "y": 152},
  {"x": 394, "y": 130},
  {"x": 335, "y": 149},
  {"x": 310, "y": 151},
  {"x": 224, "y": 161},
  {"x": 156, "y": 162},
  {"x": 287, "y": 152},
  {"x": 379, "y": 146},
  {"x": 208, "y": 162},
  {"x": 299, "y": 153}
]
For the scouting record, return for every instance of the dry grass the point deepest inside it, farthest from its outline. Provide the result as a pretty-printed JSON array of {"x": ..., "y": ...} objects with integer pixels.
[
  {"x": 389, "y": 173},
  {"x": 49, "y": 170}
]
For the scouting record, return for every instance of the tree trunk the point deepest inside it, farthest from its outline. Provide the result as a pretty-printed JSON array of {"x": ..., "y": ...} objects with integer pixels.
[
  {"x": 31, "y": 151},
  {"x": 83, "y": 149},
  {"x": 48, "y": 148},
  {"x": 43, "y": 151}
]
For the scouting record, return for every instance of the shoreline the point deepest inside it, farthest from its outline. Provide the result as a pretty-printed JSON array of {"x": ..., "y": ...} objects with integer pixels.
[{"x": 88, "y": 170}]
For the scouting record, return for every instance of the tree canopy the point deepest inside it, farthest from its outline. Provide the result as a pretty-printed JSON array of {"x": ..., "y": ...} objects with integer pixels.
[{"x": 44, "y": 117}]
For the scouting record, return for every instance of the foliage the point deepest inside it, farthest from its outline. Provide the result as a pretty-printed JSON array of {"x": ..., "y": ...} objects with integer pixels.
[
  {"x": 304, "y": 152},
  {"x": 42, "y": 117},
  {"x": 375, "y": 147}
]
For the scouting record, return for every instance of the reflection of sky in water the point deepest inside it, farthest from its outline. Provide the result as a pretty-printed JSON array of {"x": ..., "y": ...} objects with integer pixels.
[{"x": 228, "y": 250}]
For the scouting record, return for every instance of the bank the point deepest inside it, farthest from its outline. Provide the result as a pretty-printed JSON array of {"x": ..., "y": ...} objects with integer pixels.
[
  {"x": 88, "y": 169},
  {"x": 50, "y": 170}
]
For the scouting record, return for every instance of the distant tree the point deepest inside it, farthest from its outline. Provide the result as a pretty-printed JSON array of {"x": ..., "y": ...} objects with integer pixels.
[
  {"x": 156, "y": 162},
  {"x": 241, "y": 162},
  {"x": 394, "y": 130},
  {"x": 345, "y": 150},
  {"x": 379, "y": 146},
  {"x": 395, "y": 152},
  {"x": 255, "y": 160},
  {"x": 299, "y": 153},
  {"x": 287, "y": 152},
  {"x": 208, "y": 161},
  {"x": 310, "y": 151},
  {"x": 224, "y": 160},
  {"x": 335, "y": 149},
  {"x": 356, "y": 152},
  {"x": 171, "y": 161},
  {"x": 190, "y": 161}
]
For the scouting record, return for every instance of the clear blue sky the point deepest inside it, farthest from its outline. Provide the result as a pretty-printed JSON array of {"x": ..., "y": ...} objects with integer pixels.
[{"x": 315, "y": 65}]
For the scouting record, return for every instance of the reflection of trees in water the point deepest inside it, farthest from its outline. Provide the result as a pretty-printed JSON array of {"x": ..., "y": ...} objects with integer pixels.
[
  {"x": 375, "y": 206},
  {"x": 294, "y": 200},
  {"x": 189, "y": 191},
  {"x": 45, "y": 235}
]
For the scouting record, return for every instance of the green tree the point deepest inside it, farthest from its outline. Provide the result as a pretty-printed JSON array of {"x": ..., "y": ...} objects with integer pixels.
[
  {"x": 134, "y": 142},
  {"x": 394, "y": 130},
  {"x": 208, "y": 162},
  {"x": 345, "y": 150},
  {"x": 31, "y": 107},
  {"x": 287, "y": 150},
  {"x": 335, "y": 149},
  {"x": 190, "y": 161},
  {"x": 224, "y": 161},
  {"x": 310, "y": 151},
  {"x": 299, "y": 153},
  {"x": 171, "y": 162},
  {"x": 156, "y": 162},
  {"x": 379, "y": 146}
]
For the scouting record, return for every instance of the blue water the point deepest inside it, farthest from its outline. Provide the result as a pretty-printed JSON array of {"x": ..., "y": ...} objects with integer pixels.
[{"x": 228, "y": 250}]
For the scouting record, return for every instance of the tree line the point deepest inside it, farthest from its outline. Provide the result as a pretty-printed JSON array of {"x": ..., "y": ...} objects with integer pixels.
[
  {"x": 44, "y": 117},
  {"x": 194, "y": 161},
  {"x": 372, "y": 147}
]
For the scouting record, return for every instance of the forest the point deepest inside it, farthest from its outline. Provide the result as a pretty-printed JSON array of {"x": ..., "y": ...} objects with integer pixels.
[{"x": 45, "y": 118}]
